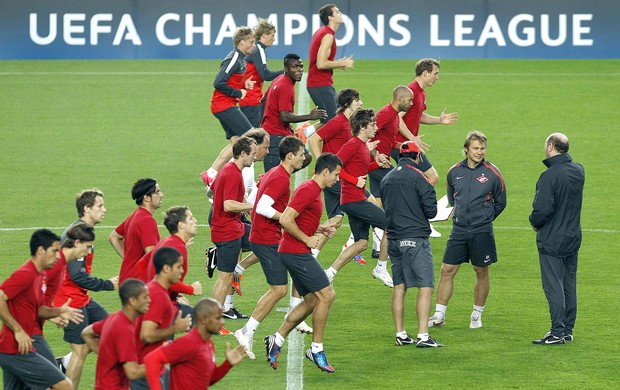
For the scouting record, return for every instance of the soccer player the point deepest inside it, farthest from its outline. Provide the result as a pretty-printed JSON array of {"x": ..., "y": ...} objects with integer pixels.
[
  {"x": 300, "y": 221},
  {"x": 356, "y": 163},
  {"x": 409, "y": 201},
  {"x": 426, "y": 74},
  {"x": 228, "y": 232},
  {"x": 21, "y": 303},
  {"x": 231, "y": 85},
  {"x": 192, "y": 356},
  {"x": 477, "y": 191},
  {"x": 266, "y": 233},
  {"x": 78, "y": 281},
  {"x": 556, "y": 216},
  {"x": 322, "y": 64},
  {"x": 114, "y": 339},
  {"x": 256, "y": 69},
  {"x": 159, "y": 323},
  {"x": 138, "y": 234},
  {"x": 280, "y": 108}
]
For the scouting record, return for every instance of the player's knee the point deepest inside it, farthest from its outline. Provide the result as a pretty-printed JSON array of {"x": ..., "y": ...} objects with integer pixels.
[
  {"x": 482, "y": 272},
  {"x": 79, "y": 351},
  {"x": 279, "y": 291},
  {"x": 362, "y": 245},
  {"x": 448, "y": 271}
]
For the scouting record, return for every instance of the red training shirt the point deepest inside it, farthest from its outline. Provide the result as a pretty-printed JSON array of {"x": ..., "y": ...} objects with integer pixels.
[
  {"x": 316, "y": 76},
  {"x": 177, "y": 243},
  {"x": 388, "y": 123},
  {"x": 413, "y": 116},
  {"x": 335, "y": 133},
  {"x": 277, "y": 185},
  {"x": 139, "y": 231},
  {"x": 228, "y": 185},
  {"x": 160, "y": 311},
  {"x": 356, "y": 161},
  {"x": 307, "y": 202},
  {"x": 280, "y": 97}
]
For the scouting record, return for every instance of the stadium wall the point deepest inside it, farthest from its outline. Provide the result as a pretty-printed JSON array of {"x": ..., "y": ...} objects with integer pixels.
[{"x": 132, "y": 29}]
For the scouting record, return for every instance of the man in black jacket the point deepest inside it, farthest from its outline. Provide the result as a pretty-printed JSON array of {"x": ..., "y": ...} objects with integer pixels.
[
  {"x": 556, "y": 219},
  {"x": 409, "y": 201}
]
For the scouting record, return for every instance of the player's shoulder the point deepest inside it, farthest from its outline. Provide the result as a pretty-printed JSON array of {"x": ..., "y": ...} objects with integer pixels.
[
  {"x": 455, "y": 167},
  {"x": 489, "y": 165}
]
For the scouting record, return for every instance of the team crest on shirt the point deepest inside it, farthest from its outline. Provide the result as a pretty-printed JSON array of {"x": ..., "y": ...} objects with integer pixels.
[
  {"x": 43, "y": 288},
  {"x": 482, "y": 179},
  {"x": 399, "y": 168}
]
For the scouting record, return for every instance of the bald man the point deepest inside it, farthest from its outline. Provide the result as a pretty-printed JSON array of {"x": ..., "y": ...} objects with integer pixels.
[
  {"x": 191, "y": 357},
  {"x": 556, "y": 219}
]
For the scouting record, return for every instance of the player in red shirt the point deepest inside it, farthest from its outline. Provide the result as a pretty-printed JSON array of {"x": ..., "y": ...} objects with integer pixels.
[
  {"x": 280, "y": 108},
  {"x": 301, "y": 220},
  {"x": 231, "y": 85},
  {"x": 256, "y": 69},
  {"x": 426, "y": 74},
  {"x": 113, "y": 339},
  {"x": 22, "y": 303},
  {"x": 322, "y": 53},
  {"x": 159, "y": 323},
  {"x": 192, "y": 357},
  {"x": 138, "y": 234},
  {"x": 78, "y": 281}
]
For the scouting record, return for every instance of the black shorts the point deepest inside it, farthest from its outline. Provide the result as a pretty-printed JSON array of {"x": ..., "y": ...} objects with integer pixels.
[
  {"x": 325, "y": 98},
  {"x": 233, "y": 121},
  {"x": 412, "y": 262},
  {"x": 332, "y": 201},
  {"x": 274, "y": 270},
  {"x": 307, "y": 274},
  {"x": 375, "y": 180},
  {"x": 43, "y": 348},
  {"x": 463, "y": 246},
  {"x": 363, "y": 215},
  {"x": 425, "y": 164},
  {"x": 272, "y": 158},
  {"x": 29, "y": 371},
  {"x": 93, "y": 312},
  {"x": 228, "y": 252},
  {"x": 254, "y": 114}
]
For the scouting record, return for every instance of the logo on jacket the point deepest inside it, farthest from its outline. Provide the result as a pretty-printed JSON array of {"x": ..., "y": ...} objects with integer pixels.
[{"x": 482, "y": 179}]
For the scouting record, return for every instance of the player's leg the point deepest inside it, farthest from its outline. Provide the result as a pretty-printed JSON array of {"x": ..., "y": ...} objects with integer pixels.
[
  {"x": 227, "y": 256},
  {"x": 570, "y": 295},
  {"x": 483, "y": 254}
]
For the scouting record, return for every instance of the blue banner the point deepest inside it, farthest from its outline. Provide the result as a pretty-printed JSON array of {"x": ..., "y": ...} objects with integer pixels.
[{"x": 95, "y": 29}]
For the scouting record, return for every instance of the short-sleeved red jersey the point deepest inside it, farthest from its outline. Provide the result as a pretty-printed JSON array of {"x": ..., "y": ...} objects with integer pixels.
[
  {"x": 335, "y": 133},
  {"x": 308, "y": 203},
  {"x": 277, "y": 185},
  {"x": 228, "y": 185},
  {"x": 139, "y": 231},
  {"x": 280, "y": 97},
  {"x": 413, "y": 116}
]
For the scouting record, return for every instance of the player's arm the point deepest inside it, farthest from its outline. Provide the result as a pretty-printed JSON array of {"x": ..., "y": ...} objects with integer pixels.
[
  {"x": 265, "y": 208},
  {"x": 220, "y": 82},
  {"x": 443, "y": 119},
  {"x": 544, "y": 203},
  {"x": 233, "y": 357},
  {"x": 151, "y": 332},
  {"x": 428, "y": 199},
  {"x": 287, "y": 220},
  {"x": 260, "y": 63},
  {"x": 232, "y": 206},
  {"x": 118, "y": 242},
  {"x": 153, "y": 362},
  {"x": 291, "y": 117},
  {"x": 65, "y": 311},
  {"x": 78, "y": 274},
  {"x": 91, "y": 338},
  {"x": 133, "y": 370},
  {"x": 24, "y": 342},
  {"x": 322, "y": 56},
  {"x": 404, "y": 130},
  {"x": 316, "y": 144},
  {"x": 499, "y": 195}
]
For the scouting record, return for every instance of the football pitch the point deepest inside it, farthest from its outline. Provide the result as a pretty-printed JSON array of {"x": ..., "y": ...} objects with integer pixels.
[{"x": 71, "y": 125}]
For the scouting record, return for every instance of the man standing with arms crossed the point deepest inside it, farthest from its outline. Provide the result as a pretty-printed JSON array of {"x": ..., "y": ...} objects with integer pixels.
[
  {"x": 409, "y": 201},
  {"x": 477, "y": 191},
  {"x": 322, "y": 64},
  {"x": 556, "y": 218}
]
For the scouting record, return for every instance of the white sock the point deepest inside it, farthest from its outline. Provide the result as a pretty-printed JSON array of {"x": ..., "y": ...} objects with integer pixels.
[
  {"x": 331, "y": 272},
  {"x": 239, "y": 269},
  {"x": 315, "y": 252},
  {"x": 316, "y": 347},
  {"x": 211, "y": 173},
  {"x": 66, "y": 359},
  {"x": 477, "y": 312},
  {"x": 402, "y": 335},
  {"x": 349, "y": 242},
  {"x": 378, "y": 233},
  {"x": 293, "y": 302},
  {"x": 309, "y": 130},
  {"x": 376, "y": 240},
  {"x": 228, "y": 302},
  {"x": 381, "y": 266},
  {"x": 440, "y": 311},
  {"x": 423, "y": 336},
  {"x": 250, "y": 327},
  {"x": 279, "y": 339}
]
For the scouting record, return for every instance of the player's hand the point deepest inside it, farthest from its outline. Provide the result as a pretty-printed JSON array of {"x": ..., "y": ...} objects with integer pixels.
[
  {"x": 114, "y": 280},
  {"x": 182, "y": 324},
  {"x": 243, "y": 93},
  {"x": 372, "y": 145},
  {"x": 24, "y": 342},
  {"x": 69, "y": 313},
  {"x": 249, "y": 83},
  {"x": 421, "y": 144},
  {"x": 312, "y": 242},
  {"x": 197, "y": 288},
  {"x": 318, "y": 113},
  {"x": 448, "y": 119},
  {"x": 361, "y": 182},
  {"x": 59, "y": 322},
  {"x": 382, "y": 160},
  {"x": 328, "y": 230},
  {"x": 235, "y": 356},
  {"x": 347, "y": 62},
  {"x": 183, "y": 300},
  {"x": 189, "y": 242}
]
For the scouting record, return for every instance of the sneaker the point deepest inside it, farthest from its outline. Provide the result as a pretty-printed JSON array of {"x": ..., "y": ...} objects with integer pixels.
[
  {"x": 236, "y": 282},
  {"x": 429, "y": 343},
  {"x": 273, "y": 351},
  {"x": 375, "y": 254},
  {"x": 302, "y": 327},
  {"x": 434, "y": 322},
  {"x": 61, "y": 365},
  {"x": 320, "y": 360},
  {"x": 245, "y": 342},
  {"x": 359, "y": 259},
  {"x": 549, "y": 339},
  {"x": 223, "y": 331},
  {"x": 233, "y": 314},
  {"x": 383, "y": 276},
  {"x": 434, "y": 233},
  {"x": 208, "y": 180},
  {"x": 475, "y": 323},
  {"x": 211, "y": 263},
  {"x": 568, "y": 337},
  {"x": 301, "y": 134},
  {"x": 404, "y": 341}
]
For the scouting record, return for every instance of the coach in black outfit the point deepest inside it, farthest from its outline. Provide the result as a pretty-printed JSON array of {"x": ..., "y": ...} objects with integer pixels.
[{"x": 556, "y": 219}]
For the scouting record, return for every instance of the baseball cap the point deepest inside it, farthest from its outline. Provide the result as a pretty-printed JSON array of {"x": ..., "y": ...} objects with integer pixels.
[{"x": 409, "y": 147}]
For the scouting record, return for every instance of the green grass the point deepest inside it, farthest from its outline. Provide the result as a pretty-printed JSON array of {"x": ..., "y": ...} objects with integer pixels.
[{"x": 69, "y": 125}]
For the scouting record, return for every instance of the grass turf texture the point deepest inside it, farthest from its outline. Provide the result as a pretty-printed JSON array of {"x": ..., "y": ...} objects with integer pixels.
[{"x": 69, "y": 125}]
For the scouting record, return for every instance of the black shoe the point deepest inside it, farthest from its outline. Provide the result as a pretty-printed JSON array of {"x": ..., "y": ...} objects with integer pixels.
[
  {"x": 429, "y": 343},
  {"x": 60, "y": 365},
  {"x": 568, "y": 337},
  {"x": 549, "y": 339},
  {"x": 233, "y": 314},
  {"x": 404, "y": 341},
  {"x": 375, "y": 254}
]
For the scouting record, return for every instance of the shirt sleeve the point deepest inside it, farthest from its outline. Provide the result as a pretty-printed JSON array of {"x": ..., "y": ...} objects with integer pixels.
[
  {"x": 299, "y": 201},
  {"x": 220, "y": 371},
  {"x": 97, "y": 326},
  {"x": 181, "y": 288},
  {"x": 543, "y": 205},
  {"x": 153, "y": 363},
  {"x": 77, "y": 273},
  {"x": 328, "y": 131},
  {"x": 16, "y": 283},
  {"x": 260, "y": 63},
  {"x": 220, "y": 83},
  {"x": 428, "y": 199},
  {"x": 120, "y": 229},
  {"x": 499, "y": 194}
]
